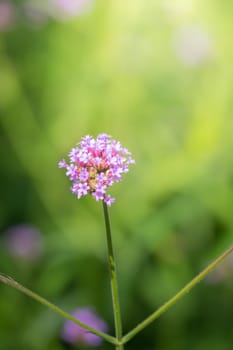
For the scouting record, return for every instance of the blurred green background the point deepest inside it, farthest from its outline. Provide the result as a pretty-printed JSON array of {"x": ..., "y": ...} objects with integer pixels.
[{"x": 158, "y": 76}]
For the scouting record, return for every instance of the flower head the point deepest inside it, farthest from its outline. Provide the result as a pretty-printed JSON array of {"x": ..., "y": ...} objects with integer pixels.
[
  {"x": 95, "y": 164},
  {"x": 74, "y": 334}
]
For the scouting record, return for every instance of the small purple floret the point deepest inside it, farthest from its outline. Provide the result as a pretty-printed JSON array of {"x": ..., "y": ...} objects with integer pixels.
[
  {"x": 74, "y": 334},
  {"x": 95, "y": 164},
  {"x": 62, "y": 164}
]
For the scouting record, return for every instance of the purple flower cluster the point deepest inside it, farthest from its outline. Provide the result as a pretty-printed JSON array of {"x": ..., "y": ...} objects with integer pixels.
[
  {"x": 37, "y": 13},
  {"x": 74, "y": 334},
  {"x": 95, "y": 164}
]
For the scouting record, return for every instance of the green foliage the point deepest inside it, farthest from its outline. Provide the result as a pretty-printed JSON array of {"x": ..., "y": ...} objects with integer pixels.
[{"x": 115, "y": 70}]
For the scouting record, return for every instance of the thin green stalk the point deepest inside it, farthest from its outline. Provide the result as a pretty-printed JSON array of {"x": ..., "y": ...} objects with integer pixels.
[
  {"x": 174, "y": 299},
  {"x": 9, "y": 281},
  {"x": 114, "y": 286}
]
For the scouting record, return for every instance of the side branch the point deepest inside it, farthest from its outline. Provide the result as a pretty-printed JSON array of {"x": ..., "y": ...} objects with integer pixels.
[
  {"x": 12, "y": 283},
  {"x": 177, "y": 296}
]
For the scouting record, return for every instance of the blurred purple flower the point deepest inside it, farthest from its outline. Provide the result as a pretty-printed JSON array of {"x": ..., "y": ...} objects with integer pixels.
[
  {"x": 7, "y": 15},
  {"x": 24, "y": 241},
  {"x": 36, "y": 12},
  {"x": 193, "y": 46},
  {"x": 74, "y": 334},
  {"x": 70, "y": 8}
]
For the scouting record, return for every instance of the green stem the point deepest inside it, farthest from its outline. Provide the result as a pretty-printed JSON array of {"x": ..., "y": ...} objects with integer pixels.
[
  {"x": 9, "y": 281},
  {"x": 174, "y": 299},
  {"x": 114, "y": 286}
]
